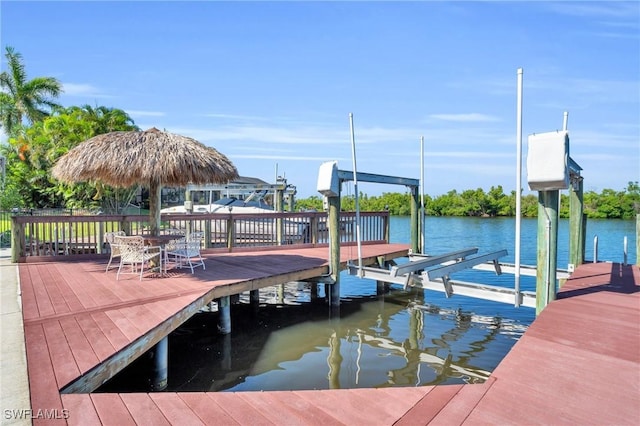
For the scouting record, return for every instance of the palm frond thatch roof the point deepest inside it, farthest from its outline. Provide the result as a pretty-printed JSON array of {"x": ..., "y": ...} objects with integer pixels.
[{"x": 127, "y": 158}]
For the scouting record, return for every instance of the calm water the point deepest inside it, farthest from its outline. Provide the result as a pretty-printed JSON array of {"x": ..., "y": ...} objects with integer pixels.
[{"x": 399, "y": 338}]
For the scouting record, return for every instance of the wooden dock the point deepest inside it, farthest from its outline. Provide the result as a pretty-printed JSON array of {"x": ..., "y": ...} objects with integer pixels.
[{"x": 579, "y": 362}]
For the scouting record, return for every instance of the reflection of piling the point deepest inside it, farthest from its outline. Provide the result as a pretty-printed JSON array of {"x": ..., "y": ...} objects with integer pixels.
[
  {"x": 334, "y": 360},
  {"x": 225, "y": 362}
]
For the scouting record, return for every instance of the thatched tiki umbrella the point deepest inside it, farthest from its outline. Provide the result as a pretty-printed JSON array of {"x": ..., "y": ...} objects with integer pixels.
[{"x": 149, "y": 158}]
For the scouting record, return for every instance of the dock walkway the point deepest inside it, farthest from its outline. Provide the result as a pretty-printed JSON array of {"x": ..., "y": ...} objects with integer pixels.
[{"x": 579, "y": 362}]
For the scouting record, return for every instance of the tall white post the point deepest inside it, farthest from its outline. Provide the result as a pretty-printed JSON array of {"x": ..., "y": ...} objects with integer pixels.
[
  {"x": 355, "y": 185},
  {"x": 422, "y": 230},
  {"x": 518, "y": 185}
]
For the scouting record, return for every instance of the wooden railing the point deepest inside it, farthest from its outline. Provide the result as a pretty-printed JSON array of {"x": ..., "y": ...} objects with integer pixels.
[{"x": 84, "y": 235}]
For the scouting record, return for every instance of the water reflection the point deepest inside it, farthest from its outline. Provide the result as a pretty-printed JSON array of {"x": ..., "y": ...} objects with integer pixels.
[{"x": 391, "y": 339}]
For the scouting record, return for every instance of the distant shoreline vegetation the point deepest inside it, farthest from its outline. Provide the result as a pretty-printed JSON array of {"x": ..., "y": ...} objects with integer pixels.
[{"x": 608, "y": 204}]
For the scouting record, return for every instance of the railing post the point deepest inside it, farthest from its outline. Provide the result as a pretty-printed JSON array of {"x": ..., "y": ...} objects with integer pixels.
[
  {"x": 315, "y": 228},
  {"x": 624, "y": 250},
  {"x": 18, "y": 240},
  {"x": 100, "y": 238},
  {"x": 231, "y": 232},
  {"x": 387, "y": 228},
  {"x": 207, "y": 233},
  {"x": 595, "y": 249}
]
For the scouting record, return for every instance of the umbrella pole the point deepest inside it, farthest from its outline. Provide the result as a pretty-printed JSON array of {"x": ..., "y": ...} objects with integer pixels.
[{"x": 154, "y": 207}]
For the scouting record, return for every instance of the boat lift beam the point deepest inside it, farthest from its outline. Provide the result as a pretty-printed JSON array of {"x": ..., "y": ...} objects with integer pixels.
[
  {"x": 415, "y": 274},
  {"x": 527, "y": 270},
  {"x": 346, "y": 176},
  {"x": 420, "y": 262}
]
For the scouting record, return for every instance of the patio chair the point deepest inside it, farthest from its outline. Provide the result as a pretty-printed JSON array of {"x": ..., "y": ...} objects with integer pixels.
[
  {"x": 114, "y": 250},
  {"x": 134, "y": 252},
  {"x": 186, "y": 251}
]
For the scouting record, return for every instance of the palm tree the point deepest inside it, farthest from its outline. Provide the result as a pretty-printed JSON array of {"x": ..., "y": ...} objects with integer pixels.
[{"x": 20, "y": 99}]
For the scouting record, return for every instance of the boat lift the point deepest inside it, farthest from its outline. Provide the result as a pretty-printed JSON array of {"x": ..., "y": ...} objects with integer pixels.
[
  {"x": 434, "y": 273},
  {"x": 421, "y": 270}
]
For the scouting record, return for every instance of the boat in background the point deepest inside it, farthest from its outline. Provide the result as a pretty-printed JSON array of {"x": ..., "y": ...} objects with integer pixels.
[{"x": 243, "y": 195}]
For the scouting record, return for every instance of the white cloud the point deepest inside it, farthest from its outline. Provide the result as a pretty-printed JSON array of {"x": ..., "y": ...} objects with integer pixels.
[
  {"x": 136, "y": 113},
  {"x": 82, "y": 89},
  {"x": 285, "y": 157},
  {"x": 464, "y": 118},
  {"x": 614, "y": 9},
  {"x": 236, "y": 117}
]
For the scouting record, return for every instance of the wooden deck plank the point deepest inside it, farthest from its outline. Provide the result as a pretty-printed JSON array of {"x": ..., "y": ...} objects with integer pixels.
[
  {"x": 347, "y": 407},
  {"x": 45, "y": 307},
  {"x": 456, "y": 411},
  {"x": 206, "y": 408},
  {"x": 238, "y": 409},
  {"x": 64, "y": 365},
  {"x": 80, "y": 347},
  {"x": 143, "y": 410},
  {"x": 286, "y": 407},
  {"x": 175, "y": 410},
  {"x": 81, "y": 410},
  {"x": 42, "y": 382},
  {"x": 29, "y": 304},
  {"x": 122, "y": 321},
  {"x": 111, "y": 409},
  {"x": 102, "y": 347},
  {"x": 54, "y": 282},
  {"x": 429, "y": 406},
  {"x": 111, "y": 331},
  {"x": 71, "y": 299}
]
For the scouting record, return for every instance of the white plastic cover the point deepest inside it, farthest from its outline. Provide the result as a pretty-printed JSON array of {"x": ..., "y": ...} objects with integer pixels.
[
  {"x": 547, "y": 161},
  {"x": 328, "y": 182}
]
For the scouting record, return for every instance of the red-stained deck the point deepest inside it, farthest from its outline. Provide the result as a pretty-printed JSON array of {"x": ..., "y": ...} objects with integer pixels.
[{"x": 579, "y": 362}]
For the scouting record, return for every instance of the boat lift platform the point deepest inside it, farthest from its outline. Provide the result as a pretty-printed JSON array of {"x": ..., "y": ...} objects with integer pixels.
[{"x": 433, "y": 273}]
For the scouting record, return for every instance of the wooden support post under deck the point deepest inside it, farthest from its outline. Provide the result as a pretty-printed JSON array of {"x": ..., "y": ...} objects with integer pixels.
[
  {"x": 160, "y": 369},
  {"x": 576, "y": 226},
  {"x": 548, "y": 207},
  {"x": 254, "y": 297},
  {"x": 280, "y": 293},
  {"x": 334, "y": 241},
  {"x": 224, "y": 315}
]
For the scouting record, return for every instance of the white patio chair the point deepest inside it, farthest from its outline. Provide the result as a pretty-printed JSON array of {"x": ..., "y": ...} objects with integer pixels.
[
  {"x": 135, "y": 253},
  {"x": 186, "y": 251},
  {"x": 114, "y": 250}
]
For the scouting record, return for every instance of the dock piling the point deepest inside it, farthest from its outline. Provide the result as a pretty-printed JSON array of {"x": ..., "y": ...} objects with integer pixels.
[
  {"x": 224, "y": 315},
  {"x": 159, "y": 374}
]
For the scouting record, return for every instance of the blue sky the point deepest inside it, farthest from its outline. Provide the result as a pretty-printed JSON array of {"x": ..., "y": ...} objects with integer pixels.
[{"x": 271, "y": 84}]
